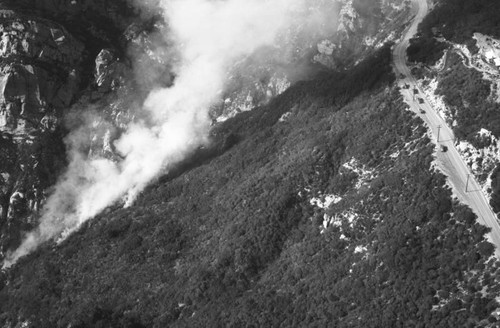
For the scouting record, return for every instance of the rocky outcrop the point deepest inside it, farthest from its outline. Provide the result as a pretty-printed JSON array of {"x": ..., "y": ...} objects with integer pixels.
[
  {"x": 345, "y": 32},
  {"x": 362, "y": 26},
  {"x": 39, "y": 72},
  {"x": 100, "y": 20},
  {"x": 108, "y": 71},
  {"x": 106, "y": 55},
  {"x": 52, "y": 54}
]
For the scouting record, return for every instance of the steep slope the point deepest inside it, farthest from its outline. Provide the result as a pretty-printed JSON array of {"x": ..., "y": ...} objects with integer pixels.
[
  {"x": 318, "y": 209},
  {"x": 71, "y": 65},
  {"x": 465, "y": 186},
  {"x": 51, "y": 55},
  {"x": 458, "y": 47},
  {"x": 337, "y": 36}
]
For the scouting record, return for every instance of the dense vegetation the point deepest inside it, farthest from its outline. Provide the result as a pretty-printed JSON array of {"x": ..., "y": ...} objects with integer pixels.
[
  {"x": 495, "y": 190},
  {"x": 465, "y": 91},
  {"x": 425, "y": 50},
  {"x": 235, "y": 241},
  {"x": 456, "y": 21},
  {"x": 467, "y": 95}
]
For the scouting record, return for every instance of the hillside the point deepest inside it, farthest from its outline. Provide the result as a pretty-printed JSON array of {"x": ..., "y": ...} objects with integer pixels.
[
  {"x": 248, "y": 234},
  {"x": 458, "y": 62},
  {"x": 314, "y": 200},
  {"x": 71, "y": 66}
]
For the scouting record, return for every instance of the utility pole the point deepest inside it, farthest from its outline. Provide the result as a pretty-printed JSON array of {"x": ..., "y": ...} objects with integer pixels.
[
  {"x": 467, "y": 183},
  {"x": 439, "y": 130}
]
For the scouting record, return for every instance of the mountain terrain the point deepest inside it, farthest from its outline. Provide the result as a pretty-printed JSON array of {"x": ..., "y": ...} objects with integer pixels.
[
  {"x": 317, "y": 202},
  {"x": 457, "y": 62},
  {"x": 64, "y": 59}
]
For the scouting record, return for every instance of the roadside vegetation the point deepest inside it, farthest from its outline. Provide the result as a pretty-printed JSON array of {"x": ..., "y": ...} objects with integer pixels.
[
  {"x": 455, "y": 21},
  {"x": 465, "y": 91}
]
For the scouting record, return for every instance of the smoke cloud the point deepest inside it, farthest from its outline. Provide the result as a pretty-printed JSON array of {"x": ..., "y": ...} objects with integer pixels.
[{"x": 208, "y": 38}]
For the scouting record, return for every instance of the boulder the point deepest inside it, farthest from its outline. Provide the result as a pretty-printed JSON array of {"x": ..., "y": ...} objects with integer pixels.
[
  {"x": 51, "y": 78},
  {"x": 109, "y": 72}
]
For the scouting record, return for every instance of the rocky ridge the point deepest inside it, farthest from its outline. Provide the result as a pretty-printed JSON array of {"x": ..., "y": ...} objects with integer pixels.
[
  {"x": 352, "y": 30},
  {"x": 44, "y": 69},
  {"x": 320, "y": 208},
  {"x": 88, "y": 55}
]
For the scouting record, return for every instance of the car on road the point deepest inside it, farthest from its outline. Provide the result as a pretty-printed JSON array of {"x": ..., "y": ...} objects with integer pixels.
[
  {"x": 422, "y": 111},
  {"x": 444, "y": 148},
  {"x": 420, "y": 100}
]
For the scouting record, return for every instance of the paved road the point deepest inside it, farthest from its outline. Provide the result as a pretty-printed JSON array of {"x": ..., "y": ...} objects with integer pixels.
[{"x": 450, "y": 161}]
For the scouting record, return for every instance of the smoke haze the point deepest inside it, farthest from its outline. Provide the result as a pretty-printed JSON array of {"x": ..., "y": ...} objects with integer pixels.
[{"x": 208, "y": 38}]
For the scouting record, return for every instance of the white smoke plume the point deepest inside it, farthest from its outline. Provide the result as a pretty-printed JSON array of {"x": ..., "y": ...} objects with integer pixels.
[{"x": 209, "y": 37}]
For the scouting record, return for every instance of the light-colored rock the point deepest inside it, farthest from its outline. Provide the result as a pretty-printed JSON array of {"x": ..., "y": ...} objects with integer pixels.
[
  {"x": 28, "y": 90},
  {"x": 108, "y": 72}
]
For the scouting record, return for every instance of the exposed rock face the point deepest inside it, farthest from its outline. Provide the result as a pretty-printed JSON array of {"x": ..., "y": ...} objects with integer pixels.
[
  {"x": 81, "y": 54},
  {"x": 50, "y": 53},
  {"x": 107, "y": 71},
  {"x": 38, "y": 72},
  {"x": 348, "y": 31},
  {"x": 364, "y": 26},
  {"x": 40, "y": 69}
]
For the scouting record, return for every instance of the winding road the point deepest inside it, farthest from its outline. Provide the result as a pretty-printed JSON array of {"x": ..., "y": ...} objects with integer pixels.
[{"x": 465, "y": 187}]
